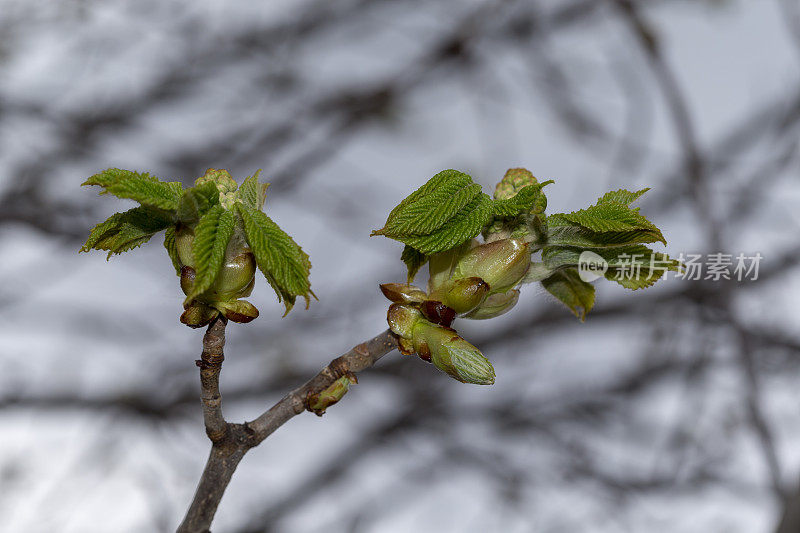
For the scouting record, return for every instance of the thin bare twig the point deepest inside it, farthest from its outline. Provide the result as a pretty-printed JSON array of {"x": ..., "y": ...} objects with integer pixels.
[
  {"x": 230, "y": 441},
  {"x": 210, "y": 364}
]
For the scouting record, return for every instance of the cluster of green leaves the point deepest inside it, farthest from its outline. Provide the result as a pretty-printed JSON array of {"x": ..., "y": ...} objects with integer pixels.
[
  {"x": 447, "y": 211},
  {"x": 216, "y": 211},
  {"x": 614, "y": 231},
  {"x": 450, "y": 209}
]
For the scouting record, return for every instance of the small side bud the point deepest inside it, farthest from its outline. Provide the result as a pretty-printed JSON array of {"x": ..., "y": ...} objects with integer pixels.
[
  {"x": 187, "y": 279},
  {"x": 405, "y": 346},
  {"x": 452, "y": 354},
  {"x": 501, "y": 264},
  {"x": 403, "y": 293},
  {"x": 318, "y": 403},
  {"x": 198, "y": 315},
  {"x": 438, "y": 313},
  {"x": 401, "y": 319},
  {"x": 240, "y": 311},
  {"x": 495, "y": 305}
]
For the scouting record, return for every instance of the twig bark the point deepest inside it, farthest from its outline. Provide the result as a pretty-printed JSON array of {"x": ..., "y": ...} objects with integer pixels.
[
  {"x": 230, "y": 442},
  {"x": 210, "y": 364}
]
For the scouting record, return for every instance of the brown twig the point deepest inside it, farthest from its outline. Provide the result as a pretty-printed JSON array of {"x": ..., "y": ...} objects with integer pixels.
[
  {"x": 210, "y": 364},
  {"x": 230, "y": 442}
]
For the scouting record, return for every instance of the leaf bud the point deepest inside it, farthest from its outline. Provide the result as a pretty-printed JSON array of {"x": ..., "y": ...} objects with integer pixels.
[
  {"x": 187, "y": 279},
  {"x": 240, "y": 311},
  {"x": 462, "y": 294},
  {"x": 501, "y": 264},
  {"x": 495, "y": 305},
  {"x": 403, "y": 293},
  {"x": 236, "y": 278},
  {"x": 318, "y": 403},
  {"x": 452, "y": 354},
  {"x": 513, "y": 180},
  {"x": 437, "y": 312},
  {"x": 198, "y": 315},
  {"x": 402, "y": 318}
]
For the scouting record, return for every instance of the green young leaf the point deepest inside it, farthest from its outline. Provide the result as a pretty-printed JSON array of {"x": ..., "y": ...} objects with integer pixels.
[
  {"x": 279, "y": 258},
  {"x": 196, "y": 202},
  {"x": 431, "y": 210},
  {"x": 211, "y": 239},
  {"x": 466, "y": 224},
  {"x": 252, "y": 193},
  {"x": 634, "y": 272},
  {"x": 608, "y": 216},
  {"x": 414, "y": 260},
  {"x": 439, "y": 180},
  {"x": 584, "y": 238},
  {"x": 529, "y": 199},
  {"x": 633, "y": 266},
  {"x": 621, "y": 196},
  {"x": 124, "y": 231},
  {"x": 442, "y": 214},
  {"x": 172, "y": 249},
  {"x": 141, "y": 187},
  {"x": 572, "y": 291}
]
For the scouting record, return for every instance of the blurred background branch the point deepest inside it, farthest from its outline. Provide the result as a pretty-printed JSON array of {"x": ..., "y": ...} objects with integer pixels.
[{"x": 346, "y": 107}]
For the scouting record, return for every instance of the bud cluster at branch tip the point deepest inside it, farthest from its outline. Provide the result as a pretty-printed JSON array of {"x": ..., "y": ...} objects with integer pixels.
[
  {"x": 216, "y": 235},
  {"x": 440, "y": 224}
]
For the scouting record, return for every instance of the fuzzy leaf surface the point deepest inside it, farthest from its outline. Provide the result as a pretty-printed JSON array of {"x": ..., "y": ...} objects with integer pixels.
[
  {"x": 572, "y": 291},
  {"x": 141, "y": 187},
  {"x": 124, "y": 231},
  {"x": 252, "y": 193},
  {"x": 465, "y": 225},
  {"x": 431, "y": 207}
]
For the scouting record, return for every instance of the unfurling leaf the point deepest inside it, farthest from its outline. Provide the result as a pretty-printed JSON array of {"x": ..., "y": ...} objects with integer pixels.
[
  {"x": 611, "y": 214},
  {"x": 414, "y": 260},
  {"x": 211, "y": 238},
  {"x": 529, "y": 199},
  {"x": 279, "y": 258},
  {"x": 572, "y": 291},
  {"x": 442, "y": 214},
  {"x": 141, "y": 187},
  {"x": 613, "y": 233},
  {"x": 632, "y": 266},
  {"x": 196, "y": 202},
  {"x": 252, "y": 193},
  {"x": 124, "y": 231}
]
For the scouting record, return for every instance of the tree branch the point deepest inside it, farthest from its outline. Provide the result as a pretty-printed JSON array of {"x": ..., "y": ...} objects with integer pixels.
[
  {"x": 210, "y": 364},
  {"x": 360, "y": 357},
  {"x": 230, "y": 442}
]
